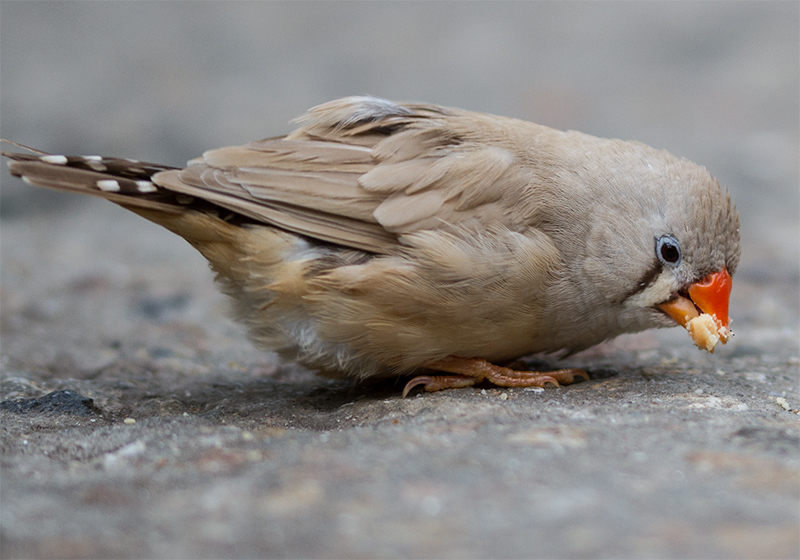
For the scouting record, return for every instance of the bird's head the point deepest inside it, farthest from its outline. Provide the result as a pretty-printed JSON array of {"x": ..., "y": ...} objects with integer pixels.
[{"x": 668, "y": 243}]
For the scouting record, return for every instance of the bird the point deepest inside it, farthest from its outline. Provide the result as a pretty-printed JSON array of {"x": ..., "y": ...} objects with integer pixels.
[{"x": 381, "y": 239}]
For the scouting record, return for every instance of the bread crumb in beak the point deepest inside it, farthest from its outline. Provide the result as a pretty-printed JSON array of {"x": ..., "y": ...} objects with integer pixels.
[
  {"x": 706, "y": 331},
  {"x": 703, "y": 330}
]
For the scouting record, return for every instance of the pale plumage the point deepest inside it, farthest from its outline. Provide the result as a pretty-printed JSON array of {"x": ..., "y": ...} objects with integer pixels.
[{"x": 380, "y": 238}]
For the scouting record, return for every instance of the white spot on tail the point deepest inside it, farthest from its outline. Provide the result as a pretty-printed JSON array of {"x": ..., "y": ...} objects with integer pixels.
[
  {"x": 108, "y": 185},
  {"x": 145, "y": 186},
  {"x": 55, "y": 160},
  {"x": 96, "y": 166},
  {"x": 92, "y": 158},
  {"x": 25, "y": 179}
]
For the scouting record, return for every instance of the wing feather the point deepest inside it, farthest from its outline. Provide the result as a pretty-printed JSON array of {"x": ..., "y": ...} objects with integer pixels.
[
  {"x": 325, "y": 226},
  {"x": 363, "y": 172}
]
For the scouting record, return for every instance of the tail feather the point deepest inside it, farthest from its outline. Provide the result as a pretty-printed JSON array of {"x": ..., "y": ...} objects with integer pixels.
[
  {"x": 123, "y": 181},
  {"x": 127, "y": 183},
  {"x": 118, "y": 167}
]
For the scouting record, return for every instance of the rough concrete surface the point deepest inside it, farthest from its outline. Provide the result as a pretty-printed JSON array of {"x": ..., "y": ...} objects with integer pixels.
[{"x": 137, "y": 421}]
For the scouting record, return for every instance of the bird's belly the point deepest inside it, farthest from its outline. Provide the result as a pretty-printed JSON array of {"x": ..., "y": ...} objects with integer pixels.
[{"x": 351, "y": 313}]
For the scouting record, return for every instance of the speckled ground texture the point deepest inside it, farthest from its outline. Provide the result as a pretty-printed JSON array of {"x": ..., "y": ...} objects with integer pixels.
[{"x": 139, "y": 422}]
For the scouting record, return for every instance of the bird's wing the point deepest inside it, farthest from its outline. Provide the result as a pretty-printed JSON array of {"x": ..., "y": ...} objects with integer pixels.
[{"x": 362, "y": 172}]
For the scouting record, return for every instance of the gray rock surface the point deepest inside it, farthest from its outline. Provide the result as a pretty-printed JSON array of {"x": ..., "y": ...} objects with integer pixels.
[{"x": 176, "y": 438}]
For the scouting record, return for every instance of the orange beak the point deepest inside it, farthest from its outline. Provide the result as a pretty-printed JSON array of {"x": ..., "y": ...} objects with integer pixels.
[{"x": 711, "y": 295}]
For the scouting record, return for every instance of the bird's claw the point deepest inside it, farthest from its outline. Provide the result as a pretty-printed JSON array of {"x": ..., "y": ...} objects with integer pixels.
[
  {"x": 469, "y": 371},
  {"x": 438, "y": 382}
]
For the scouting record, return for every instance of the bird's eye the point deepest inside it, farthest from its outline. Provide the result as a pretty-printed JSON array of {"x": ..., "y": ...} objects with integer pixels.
[{"x": 668, "y": 251}]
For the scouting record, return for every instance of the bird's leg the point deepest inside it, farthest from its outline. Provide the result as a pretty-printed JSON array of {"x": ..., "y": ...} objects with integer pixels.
[{"x": 470, "y": 371}]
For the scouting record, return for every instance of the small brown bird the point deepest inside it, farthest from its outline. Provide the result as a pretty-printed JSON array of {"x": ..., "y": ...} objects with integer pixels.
[{"x": 381, "y": 238}]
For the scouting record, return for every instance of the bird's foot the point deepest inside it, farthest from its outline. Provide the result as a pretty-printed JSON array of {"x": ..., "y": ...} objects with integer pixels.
[{"x": 470, "y": 371}]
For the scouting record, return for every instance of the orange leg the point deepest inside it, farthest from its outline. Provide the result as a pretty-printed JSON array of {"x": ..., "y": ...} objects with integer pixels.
[{"x": 470, "y": 371}]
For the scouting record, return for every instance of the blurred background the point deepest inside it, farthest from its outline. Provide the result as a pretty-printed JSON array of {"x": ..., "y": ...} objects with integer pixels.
[{"x": 715, "y": 82}]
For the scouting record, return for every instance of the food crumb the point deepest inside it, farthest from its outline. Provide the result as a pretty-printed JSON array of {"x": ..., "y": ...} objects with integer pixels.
[
  {"x": 784, "y": 404},
  {"x": 129, "y": 421},
  {"x": 703, "y": 331}
]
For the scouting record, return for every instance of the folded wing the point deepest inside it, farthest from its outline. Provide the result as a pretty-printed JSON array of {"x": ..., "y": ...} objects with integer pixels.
[{"x": 362, "y": 172}]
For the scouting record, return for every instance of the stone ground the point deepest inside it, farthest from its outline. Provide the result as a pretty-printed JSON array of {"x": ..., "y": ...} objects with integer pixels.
[{"x": 137, "y": 421}]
